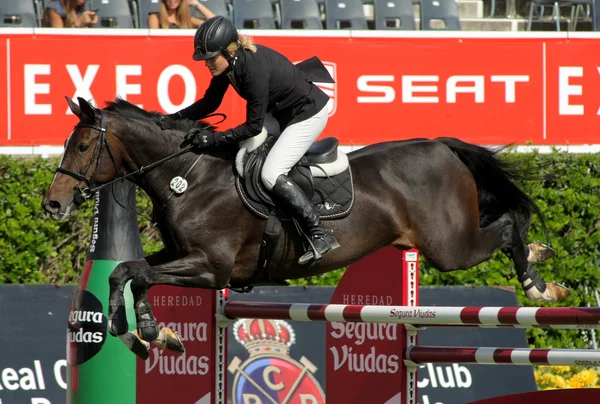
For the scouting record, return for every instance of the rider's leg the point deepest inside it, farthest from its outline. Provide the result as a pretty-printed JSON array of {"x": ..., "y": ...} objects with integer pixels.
[{"x": 291, "y": 145}]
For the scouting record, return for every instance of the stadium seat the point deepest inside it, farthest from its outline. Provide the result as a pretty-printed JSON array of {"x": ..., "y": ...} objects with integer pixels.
[
  {"x": 394, "y": 14},
  {"x": 253, "y": 14},
  {"x": 300, "y": 14},
  {"x": 439, "y": 10},
  {"x": 144, "y": 9},
  {"x": 19, "y": 13},
  {"x": 218, "y": 7},
  {"x": 113, "y": 13},
  {"x": 345, "y": 14}
]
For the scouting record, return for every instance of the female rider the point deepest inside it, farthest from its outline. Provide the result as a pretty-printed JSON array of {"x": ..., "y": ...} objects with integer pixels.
[{"x": 269, "y": 83}]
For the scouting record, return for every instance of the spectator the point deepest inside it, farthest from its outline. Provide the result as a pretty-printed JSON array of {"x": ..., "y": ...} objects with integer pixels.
[
  {"x": 68, "y": 14},
  {"x": 176, "y": 14}
]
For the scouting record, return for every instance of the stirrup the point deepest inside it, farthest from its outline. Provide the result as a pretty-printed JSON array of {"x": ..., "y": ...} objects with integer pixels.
[{"x": 312, "y": 255}]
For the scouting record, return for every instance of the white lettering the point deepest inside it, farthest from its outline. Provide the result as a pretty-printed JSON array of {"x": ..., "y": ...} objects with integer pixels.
[
  {"x": 426, "y": 400},
  {"x": 510, "y": 86},
  {"x": 39, "y": 374},
  {"x": 453, "y": 88},
  {"x": 58, "y": 374},
  {"x": 565, "y": 90},
  {"x": 183, "y": 364},
  {"x": 32, "y": 88},
  {"x": 440, "y": 374},
  {"x": 37, "y": 400},
  {"x": 459, "y": 371},
  {"x": 364, "y": 331},
  {"x": 456, "y": 376},
  {"x": 360, "y": 362},
  {"x": 162, "y": 88},
  {"x": 388, "y": 92},
  {"x": 409, "y": 88},
  {"x": 10, "y": 379},
  {"x": 82, "y": 83},
  {"x": 123, "y": 87}
]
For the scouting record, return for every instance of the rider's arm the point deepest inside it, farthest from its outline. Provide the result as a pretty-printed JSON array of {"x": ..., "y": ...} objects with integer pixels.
[
  {"x": 257, "y": 100},
  {"x": 209, "y": 103}
]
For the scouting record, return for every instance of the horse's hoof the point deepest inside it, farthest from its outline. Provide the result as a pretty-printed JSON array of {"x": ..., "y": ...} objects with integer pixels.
[
  {"x": 539, "y": 252},
  {"x": 117, "y": 323},
  {"x": 559, "y": 291},
  {"x": 148, "y": 333},
  {"x": 555, "y": 292},
  {"x": 136, "y": 345},
  {"x": 169, "y": 339}
]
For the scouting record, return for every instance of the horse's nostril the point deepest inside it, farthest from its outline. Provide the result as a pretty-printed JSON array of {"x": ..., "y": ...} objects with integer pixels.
[{"x": 52, "y": 205}]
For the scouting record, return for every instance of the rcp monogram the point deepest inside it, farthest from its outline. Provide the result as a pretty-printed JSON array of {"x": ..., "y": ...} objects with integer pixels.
[{"x": 270, "y": 375}]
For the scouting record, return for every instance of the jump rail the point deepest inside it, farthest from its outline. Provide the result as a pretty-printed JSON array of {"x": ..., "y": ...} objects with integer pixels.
[
  {"x": 503, "y": 356},
  {"x": 569, "y": 317}
]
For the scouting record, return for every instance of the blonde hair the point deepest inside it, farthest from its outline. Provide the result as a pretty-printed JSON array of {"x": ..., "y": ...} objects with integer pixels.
[
  {"x": 184, "y": 16},
  {"x": 245, "y": 42}
]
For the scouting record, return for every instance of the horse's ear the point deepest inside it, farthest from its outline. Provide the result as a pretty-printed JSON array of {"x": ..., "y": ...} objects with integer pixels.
[
  {"x": 74, "y": 107},
  {"x": 86, "y": 109}
]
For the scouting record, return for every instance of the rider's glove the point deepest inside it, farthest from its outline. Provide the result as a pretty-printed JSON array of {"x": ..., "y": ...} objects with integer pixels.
[{"x": 202, "y": 137}]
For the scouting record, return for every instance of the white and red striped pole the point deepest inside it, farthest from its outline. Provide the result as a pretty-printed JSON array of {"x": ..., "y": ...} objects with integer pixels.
[
  {"x": 502, "y": 356},
  {"x": 573, "y": 317}
]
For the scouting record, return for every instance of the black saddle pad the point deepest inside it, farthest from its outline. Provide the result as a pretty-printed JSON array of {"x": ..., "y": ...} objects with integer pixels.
[{"x": 333, "y": 197}]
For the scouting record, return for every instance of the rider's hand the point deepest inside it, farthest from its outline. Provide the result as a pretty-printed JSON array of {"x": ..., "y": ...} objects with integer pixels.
[
  {"x": 202, "y": 137},
  {"x": 192, "y": 3}
]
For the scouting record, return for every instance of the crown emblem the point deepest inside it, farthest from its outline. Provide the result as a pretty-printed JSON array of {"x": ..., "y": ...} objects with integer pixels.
[{"x": 264, "y": 336}]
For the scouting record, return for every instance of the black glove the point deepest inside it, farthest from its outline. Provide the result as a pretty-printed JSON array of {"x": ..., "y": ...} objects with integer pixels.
[{"x": 202, "y": 137}]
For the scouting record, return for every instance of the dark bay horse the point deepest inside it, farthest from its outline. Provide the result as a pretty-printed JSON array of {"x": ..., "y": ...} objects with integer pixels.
[{"x": 454, "y": 202}]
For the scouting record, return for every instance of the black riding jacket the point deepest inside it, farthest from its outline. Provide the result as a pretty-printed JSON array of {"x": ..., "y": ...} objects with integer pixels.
[{"x": 269, "y": 82}]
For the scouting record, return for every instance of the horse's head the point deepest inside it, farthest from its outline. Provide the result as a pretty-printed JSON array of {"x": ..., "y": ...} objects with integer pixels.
[{"x": 91, "y": 158}]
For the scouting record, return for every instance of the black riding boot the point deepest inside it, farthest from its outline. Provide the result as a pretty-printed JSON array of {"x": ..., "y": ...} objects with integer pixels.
[{"x": 304, "y": 211}]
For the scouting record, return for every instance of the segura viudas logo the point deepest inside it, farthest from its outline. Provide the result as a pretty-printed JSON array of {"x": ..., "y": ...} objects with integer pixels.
[{"x": 270, "y": 375}]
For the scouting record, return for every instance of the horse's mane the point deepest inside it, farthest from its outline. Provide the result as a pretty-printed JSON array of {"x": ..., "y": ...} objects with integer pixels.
[{"x": 125, "y": 108}]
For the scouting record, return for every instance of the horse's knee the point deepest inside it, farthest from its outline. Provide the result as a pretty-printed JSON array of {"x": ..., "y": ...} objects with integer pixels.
[
  {"x": 140, "y": 283},
  {"x": 118, "y": 276}
]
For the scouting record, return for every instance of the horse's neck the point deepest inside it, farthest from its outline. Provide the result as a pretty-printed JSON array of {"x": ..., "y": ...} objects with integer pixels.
[
  {"x": 144, "y": 145},
  {"x": 204, "y": 174}
]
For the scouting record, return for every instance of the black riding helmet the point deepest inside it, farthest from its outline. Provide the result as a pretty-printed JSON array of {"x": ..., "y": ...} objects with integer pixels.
[{"x": 213, "y": 37}]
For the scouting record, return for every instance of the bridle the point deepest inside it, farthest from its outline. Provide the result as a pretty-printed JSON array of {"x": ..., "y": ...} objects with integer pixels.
[{"x": 102, "y": 144}]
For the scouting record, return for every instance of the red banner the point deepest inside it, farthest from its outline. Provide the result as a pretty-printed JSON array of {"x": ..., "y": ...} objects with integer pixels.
[
  {"x": 166, "y": 376},
  {"x": 482, "y": 90}
]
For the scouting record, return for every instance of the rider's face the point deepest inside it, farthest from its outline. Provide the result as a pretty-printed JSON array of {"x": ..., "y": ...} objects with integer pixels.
[{"x": 217, "y": 65}]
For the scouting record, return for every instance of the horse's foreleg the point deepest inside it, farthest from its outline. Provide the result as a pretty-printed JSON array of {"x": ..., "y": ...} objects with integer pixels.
[
  {"x": 191, "y": 271},
  {"x": 125, "y": 271}
]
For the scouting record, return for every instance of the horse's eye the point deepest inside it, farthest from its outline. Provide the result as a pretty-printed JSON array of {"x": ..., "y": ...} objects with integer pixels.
[{"x": 84, "y": 147}]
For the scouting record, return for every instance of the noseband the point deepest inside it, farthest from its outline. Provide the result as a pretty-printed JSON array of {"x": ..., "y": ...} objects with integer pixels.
[{"x": 89, "y": 191}]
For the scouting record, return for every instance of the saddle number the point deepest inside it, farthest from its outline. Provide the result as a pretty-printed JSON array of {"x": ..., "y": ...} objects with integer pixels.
[{"x": 178, "y": 185}]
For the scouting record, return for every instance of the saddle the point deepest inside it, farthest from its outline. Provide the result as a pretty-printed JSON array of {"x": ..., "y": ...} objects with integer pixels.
[{"x": 323, "y": 173}]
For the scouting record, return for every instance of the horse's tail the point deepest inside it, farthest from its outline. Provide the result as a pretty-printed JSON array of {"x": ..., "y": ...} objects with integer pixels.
[{"x": 496, "y": 189}]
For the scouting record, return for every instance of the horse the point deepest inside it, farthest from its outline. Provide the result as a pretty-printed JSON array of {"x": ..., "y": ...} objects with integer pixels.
[{"x": 455, "y": 202}]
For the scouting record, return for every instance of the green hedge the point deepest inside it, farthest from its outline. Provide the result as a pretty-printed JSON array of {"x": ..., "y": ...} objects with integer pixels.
[{"x": 36, "y": 249}]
